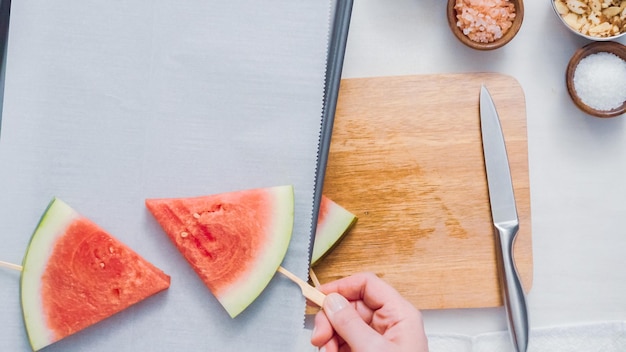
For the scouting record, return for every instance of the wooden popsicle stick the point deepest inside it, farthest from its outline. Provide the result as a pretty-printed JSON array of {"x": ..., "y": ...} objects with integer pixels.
[
  {"x": 308, "y": 291},
  {"x": 316, "y": 282},
  {"x": 10, "y": 266}
]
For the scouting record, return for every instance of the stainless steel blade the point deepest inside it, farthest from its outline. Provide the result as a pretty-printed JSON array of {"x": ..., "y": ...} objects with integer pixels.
[
  {"x": 336, "y": 53},
  {"x": 501, "y": 194},
  {"x": 505, "y": 220},
  {"x": 5, "y": 11}
]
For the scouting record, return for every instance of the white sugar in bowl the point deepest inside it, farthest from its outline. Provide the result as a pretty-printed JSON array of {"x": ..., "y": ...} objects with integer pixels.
[{"x": 596, "y": 79}]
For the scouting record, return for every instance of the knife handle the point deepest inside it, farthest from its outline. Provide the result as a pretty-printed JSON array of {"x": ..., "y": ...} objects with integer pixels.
[{"x": 512, "y": 291}]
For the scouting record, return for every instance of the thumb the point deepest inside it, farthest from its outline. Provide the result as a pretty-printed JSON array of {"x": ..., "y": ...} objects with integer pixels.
[{"x": 348, "y": 323}]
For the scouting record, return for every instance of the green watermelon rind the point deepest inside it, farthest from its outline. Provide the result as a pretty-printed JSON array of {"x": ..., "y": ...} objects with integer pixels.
[
  {"x": 336, "y": 224},
  {"x": 256, "y": 280},
  {"x": 51, "y": 226}
]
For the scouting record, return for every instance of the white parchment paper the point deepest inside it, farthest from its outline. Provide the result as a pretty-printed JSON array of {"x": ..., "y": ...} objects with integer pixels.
[{"x": 109, "y": 103}]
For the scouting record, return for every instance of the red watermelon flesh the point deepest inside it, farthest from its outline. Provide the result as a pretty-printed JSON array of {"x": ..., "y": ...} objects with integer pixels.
[
  {"x": 333, "y": 223},
  {"x": 75, "y": 274},
  {"x": 234, "y": 241}
]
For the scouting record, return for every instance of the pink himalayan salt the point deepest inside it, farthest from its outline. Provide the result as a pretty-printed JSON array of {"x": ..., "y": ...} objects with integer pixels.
[{"x": 484, "y": 21}]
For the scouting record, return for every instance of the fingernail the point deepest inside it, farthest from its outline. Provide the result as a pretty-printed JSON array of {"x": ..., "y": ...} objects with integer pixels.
[{"x": 334, "y": 302}]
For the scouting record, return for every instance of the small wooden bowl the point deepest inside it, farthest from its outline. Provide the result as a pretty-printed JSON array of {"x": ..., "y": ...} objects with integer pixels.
[
  {"x": 589, "y": 49},
  {"x": 507, "y": 37}
]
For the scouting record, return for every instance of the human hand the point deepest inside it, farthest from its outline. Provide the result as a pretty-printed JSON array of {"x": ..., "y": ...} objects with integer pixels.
[{"x": 373, "y": 316}]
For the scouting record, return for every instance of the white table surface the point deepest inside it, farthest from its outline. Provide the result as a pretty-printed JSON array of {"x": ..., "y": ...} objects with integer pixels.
[{"x": 577, "y": 162}]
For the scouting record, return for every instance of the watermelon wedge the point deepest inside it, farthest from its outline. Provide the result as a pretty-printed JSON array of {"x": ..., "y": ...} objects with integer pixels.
[
  {"x": 234, "y": 241},
  {"x": 333, "y": 223},
  {"x": 75, "y": 274}
]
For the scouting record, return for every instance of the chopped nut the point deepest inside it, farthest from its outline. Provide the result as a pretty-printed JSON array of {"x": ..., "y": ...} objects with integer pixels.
[
  {"x": 572, "y": 20},
  {"x": 603, "y": 27},
  {"x": 577, "y": 6},
  {"x": 596, "y": 6},
  {"x": 611, "y": 11},
  {"x": 561, "y": 7},
  {"x": 596, "y": 18}
]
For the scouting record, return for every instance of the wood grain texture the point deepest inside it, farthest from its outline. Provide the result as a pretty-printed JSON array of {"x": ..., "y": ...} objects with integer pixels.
[{"x": 406, "y": 158}]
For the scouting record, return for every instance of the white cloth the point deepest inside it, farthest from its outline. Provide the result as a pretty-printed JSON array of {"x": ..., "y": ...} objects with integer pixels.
[
  {"x": 594, "y": 337},
  {"x": 602, "y": 336}
]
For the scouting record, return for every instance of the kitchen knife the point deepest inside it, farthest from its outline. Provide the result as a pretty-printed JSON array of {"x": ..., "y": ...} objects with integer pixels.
[
  {"x": 336, "y": 54},
  {"x": 505, "y": 220}
]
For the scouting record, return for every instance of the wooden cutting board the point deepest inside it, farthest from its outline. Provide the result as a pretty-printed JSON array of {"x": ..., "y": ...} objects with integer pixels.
[{"x": 406, "y": 158}]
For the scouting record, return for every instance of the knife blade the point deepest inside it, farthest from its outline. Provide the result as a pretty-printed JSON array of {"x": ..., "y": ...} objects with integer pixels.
[
  {"x": 5, "y": 11},
  {"x": 335, "y": 57},
  {"x": 505, "y": 220}
]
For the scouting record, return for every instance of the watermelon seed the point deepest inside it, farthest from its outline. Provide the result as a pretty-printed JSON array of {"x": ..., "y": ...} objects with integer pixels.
[
  {"x": 110, "y": 249},
  {"x": 184, "y": 234},
  {"x": 196, "y": 216},
  {"x": 102, "y": 265}
]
